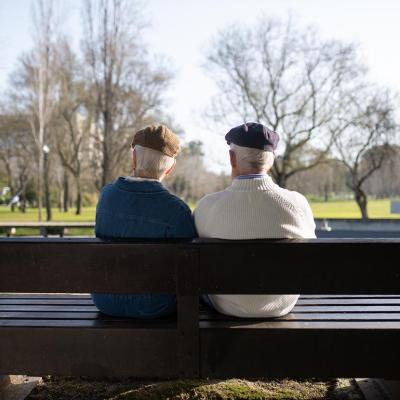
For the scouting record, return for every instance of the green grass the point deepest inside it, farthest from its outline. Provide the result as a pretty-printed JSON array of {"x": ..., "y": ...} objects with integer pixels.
[
  {"x": 331, "y": 209},
  {"x": 31, "y": 215},
  {"x": 56, "y": 388},
  {"x": 349, "y": 209}
]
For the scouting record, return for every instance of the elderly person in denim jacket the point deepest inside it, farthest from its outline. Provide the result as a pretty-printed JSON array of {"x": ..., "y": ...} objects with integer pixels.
[{"x": 139, "y": 206}]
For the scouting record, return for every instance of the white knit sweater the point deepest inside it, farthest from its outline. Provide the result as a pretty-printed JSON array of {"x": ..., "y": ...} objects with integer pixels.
[{"x": 254, "y": 209}]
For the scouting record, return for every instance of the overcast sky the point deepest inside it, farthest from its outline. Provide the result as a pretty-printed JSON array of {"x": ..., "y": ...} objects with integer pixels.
[{"x": 181, "y": 29}]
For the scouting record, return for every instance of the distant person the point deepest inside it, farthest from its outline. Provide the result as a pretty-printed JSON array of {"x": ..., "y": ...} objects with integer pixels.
[
  {"x": 253, "y": 207},
  {"x": 139, "y": 206}
]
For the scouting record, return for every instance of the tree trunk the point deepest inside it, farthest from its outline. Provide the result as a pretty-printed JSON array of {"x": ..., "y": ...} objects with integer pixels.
[
  {"x": 78, "y": 196},
  {"x": 9, "y": 178},
  {"x": 361, "y": 200},
  {"x": 66, "y": 190},
  {"x": 47, "y": 187}
]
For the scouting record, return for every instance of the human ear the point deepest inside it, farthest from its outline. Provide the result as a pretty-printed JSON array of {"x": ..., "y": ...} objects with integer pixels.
[
  {"x": 232, "y": 157},
  {"x": 133, "y": 159},
  {"x": 169, "y": 170}
]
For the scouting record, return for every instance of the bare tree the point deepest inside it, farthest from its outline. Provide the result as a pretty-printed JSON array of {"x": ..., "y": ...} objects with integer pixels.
[
  {"x": 72, "y": 121},
  {"x": 15, "y": 153},
  {"x": 286, "y": 78},
  {"x": 363, "y": 141},
  {"x": 126, "y": 88},
  {"x": 35, "y": 88}
]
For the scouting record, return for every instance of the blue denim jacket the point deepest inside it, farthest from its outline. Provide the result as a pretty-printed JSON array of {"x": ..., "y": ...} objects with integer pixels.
[{"x": 140, "y": 209}]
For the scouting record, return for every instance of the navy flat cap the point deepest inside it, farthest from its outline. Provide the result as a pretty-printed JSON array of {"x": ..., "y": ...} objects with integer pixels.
[{"x": 254, "y": 135}]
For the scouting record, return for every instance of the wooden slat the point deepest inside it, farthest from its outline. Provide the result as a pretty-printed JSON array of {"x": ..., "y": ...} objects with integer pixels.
[
  {"x": 318, "y": 350},
  {"x": 49, "y": 302},
  {"x": 301, "y": 325},
  {"x": 57, "y": 308},
  {"x": 349, "y": 296},
  {"x": 344, "y": 302},
  {"x": 318, "y": 317},
  {"x": 235, "y": 268},
  {"x": 90, "y": 265},
  {"x": 45, "y": 296},
  {"x": 347, "y": 308},
  {"x": 88, "y": 323},
  {"x": 291, "y": 317},
  {"x": 87, "y": 266},
  {"x": 29, "y": 315},
  {"x": 100, "y": 352}
]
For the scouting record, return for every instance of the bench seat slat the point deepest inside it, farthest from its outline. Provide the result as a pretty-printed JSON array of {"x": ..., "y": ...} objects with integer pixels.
[
  {"x": 291, "y": 317},
  {"x": 292, "y": 325},
  {"x": 53, "y": 302},
  {"x": 89, "y": 323},
  {"x": 54, "y": 308},
  {"x": 38, "y": 296},
  {"x": 353, "y": 302}
]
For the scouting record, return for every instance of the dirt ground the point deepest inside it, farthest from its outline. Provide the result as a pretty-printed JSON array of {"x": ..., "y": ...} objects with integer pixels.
[{"x": 53, "y": 388}]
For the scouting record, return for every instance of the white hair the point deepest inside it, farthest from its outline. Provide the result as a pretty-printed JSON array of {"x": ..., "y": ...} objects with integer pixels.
[
  {"x": 152, "y": 162},
  {"x": 249, "y": 159}
]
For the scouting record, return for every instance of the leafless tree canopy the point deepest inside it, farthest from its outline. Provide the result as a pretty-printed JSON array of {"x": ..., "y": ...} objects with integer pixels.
[
  {"x": 363, "y": 142},
  {"x": 126, "y": 87},
  {"x": 288, "y": 79}
]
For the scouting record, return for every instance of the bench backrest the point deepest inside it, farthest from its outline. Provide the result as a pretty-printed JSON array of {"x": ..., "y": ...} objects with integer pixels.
[{"x": 317, "y": 266}]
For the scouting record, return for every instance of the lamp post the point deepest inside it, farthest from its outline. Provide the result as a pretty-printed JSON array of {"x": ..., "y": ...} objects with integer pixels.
[{"x": 46, "y": 151}]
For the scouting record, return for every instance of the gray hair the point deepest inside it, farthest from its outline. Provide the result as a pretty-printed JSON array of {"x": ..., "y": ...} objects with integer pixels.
[
  {"x": 153, "y": 162},
  {"x": 249, "y": 159}
]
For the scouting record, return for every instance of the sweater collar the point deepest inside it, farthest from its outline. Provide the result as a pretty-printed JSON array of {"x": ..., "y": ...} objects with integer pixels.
[
  {"x": 262, "y": 182},
  {"x": 144, "y": 186}
]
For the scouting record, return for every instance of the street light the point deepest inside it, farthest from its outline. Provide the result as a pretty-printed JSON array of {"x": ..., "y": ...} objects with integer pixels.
[{"x": 46, "y": 151}]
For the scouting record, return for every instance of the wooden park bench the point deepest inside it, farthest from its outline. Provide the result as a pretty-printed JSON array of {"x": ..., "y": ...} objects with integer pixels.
[
  {"x": 346, "y": 323},
  {"x": 45, "y": 228}
]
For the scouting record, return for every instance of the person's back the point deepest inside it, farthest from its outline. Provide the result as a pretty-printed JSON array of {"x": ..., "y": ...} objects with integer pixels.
[
  {"x": 141, "y": 207},
  {"x": 253, "y": 207}
]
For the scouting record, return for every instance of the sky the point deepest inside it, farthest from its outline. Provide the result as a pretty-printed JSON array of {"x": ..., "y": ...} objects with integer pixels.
[{"x": 180, "y": 30}]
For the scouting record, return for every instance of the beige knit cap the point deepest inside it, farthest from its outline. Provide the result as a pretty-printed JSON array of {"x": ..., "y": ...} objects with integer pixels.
[{"x": 158, "y": 137}]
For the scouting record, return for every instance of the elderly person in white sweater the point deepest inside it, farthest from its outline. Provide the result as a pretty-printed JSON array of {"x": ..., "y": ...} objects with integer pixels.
[{"x": 253, "y": 207}]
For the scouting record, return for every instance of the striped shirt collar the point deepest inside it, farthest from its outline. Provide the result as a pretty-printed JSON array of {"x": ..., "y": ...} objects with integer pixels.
[{"x": 252, "y": 176}]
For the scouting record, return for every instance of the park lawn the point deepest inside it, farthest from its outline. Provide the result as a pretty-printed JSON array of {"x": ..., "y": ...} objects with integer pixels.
[
  {"x": 31, "y": 215},
  {"x": 331, "y": 209},
  {"x": 349, "y": 209}
]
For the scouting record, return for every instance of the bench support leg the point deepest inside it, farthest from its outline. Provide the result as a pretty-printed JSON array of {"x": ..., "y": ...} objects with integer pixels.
[{"x": 187, "y": 273}]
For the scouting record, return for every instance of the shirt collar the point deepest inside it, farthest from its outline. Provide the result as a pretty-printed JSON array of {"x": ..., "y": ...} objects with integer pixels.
[{"x": 252, "y": 176}]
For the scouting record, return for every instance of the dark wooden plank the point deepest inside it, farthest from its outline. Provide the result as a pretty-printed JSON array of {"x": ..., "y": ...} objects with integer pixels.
[
  {"x": 84, "y": 266},
  {"x": 38, "y": 296},
  {"x": 347, "y": 308},
  {"x": 89, "y": 323},
  {"x": 110, "y": 266},
  {"x": 48, "y": 302},
  {"x": 349, "y": 296},
  {"x": 300, "y": 353},
  {"x": 315, "y": 317},
  {"x": 57, "y": 308},
  {"x": 187, "y": 271},
  {"x": 29, "y": 315},
  {"x": 98, "y": 352},
  {"x": 352, "y": 302},
  {"x": 300, "y": 325},
  {"x": 235, "y": 268}
]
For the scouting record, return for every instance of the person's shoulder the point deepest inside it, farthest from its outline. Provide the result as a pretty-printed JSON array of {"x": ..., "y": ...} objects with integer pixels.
[
  {"x": 294, "y": 200},
  {"x": 107, "y": 190},
  {"x": 210, "y": 199},
  {"x": 178, "y": 202}
]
